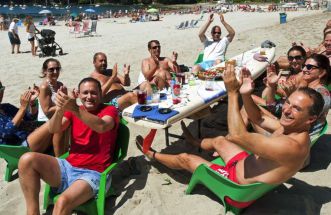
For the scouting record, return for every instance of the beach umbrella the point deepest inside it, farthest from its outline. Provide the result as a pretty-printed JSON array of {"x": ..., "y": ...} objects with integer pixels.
[
  {"x": 152, "y": 10},
  {"x": 90, "y": 10},
  {"x": 45, "y": 11}
]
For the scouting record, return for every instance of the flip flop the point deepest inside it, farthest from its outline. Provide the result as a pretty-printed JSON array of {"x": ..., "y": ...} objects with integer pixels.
[{"x": 139, "y": 142}]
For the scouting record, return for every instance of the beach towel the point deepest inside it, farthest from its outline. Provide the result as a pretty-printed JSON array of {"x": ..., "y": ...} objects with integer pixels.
[
  {"x": 207, "y": 95},
  {"x": 138, "y": 113},
  {"x": 162, "y": 117}
]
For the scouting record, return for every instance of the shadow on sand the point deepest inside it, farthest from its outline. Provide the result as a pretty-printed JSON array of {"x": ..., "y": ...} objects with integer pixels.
[
  {"x": 320, "y": 154},
  {"x": 127, "y": 178}
]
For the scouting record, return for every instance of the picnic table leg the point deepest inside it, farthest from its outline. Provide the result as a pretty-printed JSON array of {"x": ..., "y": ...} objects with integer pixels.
[
  {"x": 166, "y": 131},
  {"x": 199, "y": 128},
  {"x": 148, "y": 140}
]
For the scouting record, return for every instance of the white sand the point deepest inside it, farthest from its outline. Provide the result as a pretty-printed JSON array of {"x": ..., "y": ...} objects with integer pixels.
[{"x": 126, "y": 42}]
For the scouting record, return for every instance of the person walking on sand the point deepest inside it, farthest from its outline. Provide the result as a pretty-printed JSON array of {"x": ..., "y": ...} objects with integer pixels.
[
  {"x": 2, "y": 23},
  {"x": 31, "y": 30},
  {"x": 156, "y": 69},
  {"x": 274, "y": 158},
  {"x": 215, "y": 47},
  {"x": 13, "y": 36}
]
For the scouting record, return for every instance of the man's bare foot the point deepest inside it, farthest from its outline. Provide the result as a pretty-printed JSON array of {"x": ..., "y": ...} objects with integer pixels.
[
  {"x": 189, "y": 137},
  {"x": 150, "y": 153}
]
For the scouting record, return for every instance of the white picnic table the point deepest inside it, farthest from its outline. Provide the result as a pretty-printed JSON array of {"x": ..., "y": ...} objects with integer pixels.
[{"x": 196, "y": 98}]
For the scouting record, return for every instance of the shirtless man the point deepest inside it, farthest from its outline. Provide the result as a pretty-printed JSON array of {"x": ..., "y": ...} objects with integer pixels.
[
  {"x": 156, "y": 69},
  {"x": 112, "y": 83},
  {"x": 274, "y": 158}
]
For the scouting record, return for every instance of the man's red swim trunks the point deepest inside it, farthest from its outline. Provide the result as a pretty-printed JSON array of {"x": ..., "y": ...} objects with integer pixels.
[{"x": 229, "y": 171}]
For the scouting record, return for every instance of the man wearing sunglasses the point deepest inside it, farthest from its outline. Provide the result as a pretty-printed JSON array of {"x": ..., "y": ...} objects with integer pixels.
[
  {"x": 156, "y": 69},
  {"x": 214, "y": 47}
]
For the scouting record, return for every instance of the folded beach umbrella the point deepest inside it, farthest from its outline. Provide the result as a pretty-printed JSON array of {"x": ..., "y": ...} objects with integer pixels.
[
  {"x": 45, "y": 11},
  {"x": 90, "y": 10}
]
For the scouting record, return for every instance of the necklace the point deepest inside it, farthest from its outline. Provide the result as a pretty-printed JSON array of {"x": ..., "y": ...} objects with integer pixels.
[{"x": 51, "y": 87}]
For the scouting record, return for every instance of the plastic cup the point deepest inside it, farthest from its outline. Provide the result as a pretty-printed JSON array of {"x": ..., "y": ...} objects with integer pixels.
[
  {"x": 176, "y": 90},
  {"x": 156, "y": 98},
  {"x": 142, "y": 96},
  {"x": 209, "y": 84}
]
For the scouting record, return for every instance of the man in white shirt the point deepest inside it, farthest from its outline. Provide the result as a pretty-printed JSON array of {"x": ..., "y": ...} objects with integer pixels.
[
  {"x": 13, "y": 36},
  {"x": 215, "y": 47}
]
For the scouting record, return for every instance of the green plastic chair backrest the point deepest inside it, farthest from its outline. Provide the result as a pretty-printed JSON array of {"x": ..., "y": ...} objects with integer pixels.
[
  {"x": 11, "y": 154},
  {"x": 223, "y": 187},
  {"x": 122, "y": 142},
  {"x": 199, "y": 58},
  {"x": 322, "y": 132}
]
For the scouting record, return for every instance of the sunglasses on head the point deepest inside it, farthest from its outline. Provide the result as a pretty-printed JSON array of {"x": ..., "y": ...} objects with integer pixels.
[
  {"x": 310, "y": 67},
  {"x": 53, "y": 69},
  {"x": 155, "y": 47},
  {"x": 216, "y": 32},
  {"x": 298, "y": 57}
]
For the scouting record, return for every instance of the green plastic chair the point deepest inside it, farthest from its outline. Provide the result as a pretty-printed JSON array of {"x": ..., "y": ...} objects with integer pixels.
[
  {"x": 223, "y": 187},
  {"x": 199, "y": 59},
  {"x": 11, "y": 154},
  {"x": 97, "y": 205},
  {"x": 322, "y": 132}
]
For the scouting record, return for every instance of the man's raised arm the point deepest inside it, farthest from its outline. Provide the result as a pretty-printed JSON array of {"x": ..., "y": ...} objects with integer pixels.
[
  {"x": 204, "y": 28},
  {"x": 58, "y": 123},
  {"x": 230, "y": 30},
  {"x": 235, "y": 122},
  {"x": 254, "y": 113}
]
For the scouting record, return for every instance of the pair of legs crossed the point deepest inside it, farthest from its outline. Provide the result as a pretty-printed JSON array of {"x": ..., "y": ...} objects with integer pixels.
[
  {"x": 190, "y": 162},
  {"x": 35, "y": 166},
  {"x": 123, "y": 99},
  {"x": 160, "y": 79}
]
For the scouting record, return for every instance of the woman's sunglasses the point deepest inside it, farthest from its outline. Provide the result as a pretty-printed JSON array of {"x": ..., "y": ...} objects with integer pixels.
[
  {"x": 298, "y": 57},
  {"x": 310, "y": 67}
]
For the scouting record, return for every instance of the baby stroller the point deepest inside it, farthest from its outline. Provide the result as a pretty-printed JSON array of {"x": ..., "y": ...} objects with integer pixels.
[{"x": 47, "y": 43}]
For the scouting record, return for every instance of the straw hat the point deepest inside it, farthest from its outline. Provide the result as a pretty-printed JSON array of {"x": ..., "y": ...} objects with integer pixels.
[{"x": 15, "y": 19}]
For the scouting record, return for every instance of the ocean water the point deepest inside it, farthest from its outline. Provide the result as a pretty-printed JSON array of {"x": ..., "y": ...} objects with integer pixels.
[{"x": 33, "y": 10}]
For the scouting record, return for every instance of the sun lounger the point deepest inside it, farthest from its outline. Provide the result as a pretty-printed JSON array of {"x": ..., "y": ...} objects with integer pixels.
[
  {"x": 195, "y": 24},
  {"x": 186, "y": 24},
  {"x": 192, "y": 23},
  {"x": 180, "y": 26},
  {"x": 85, "y": 29}
]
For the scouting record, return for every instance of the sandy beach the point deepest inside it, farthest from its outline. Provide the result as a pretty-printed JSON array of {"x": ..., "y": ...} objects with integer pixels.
[{"x": 308, "y": 192}]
